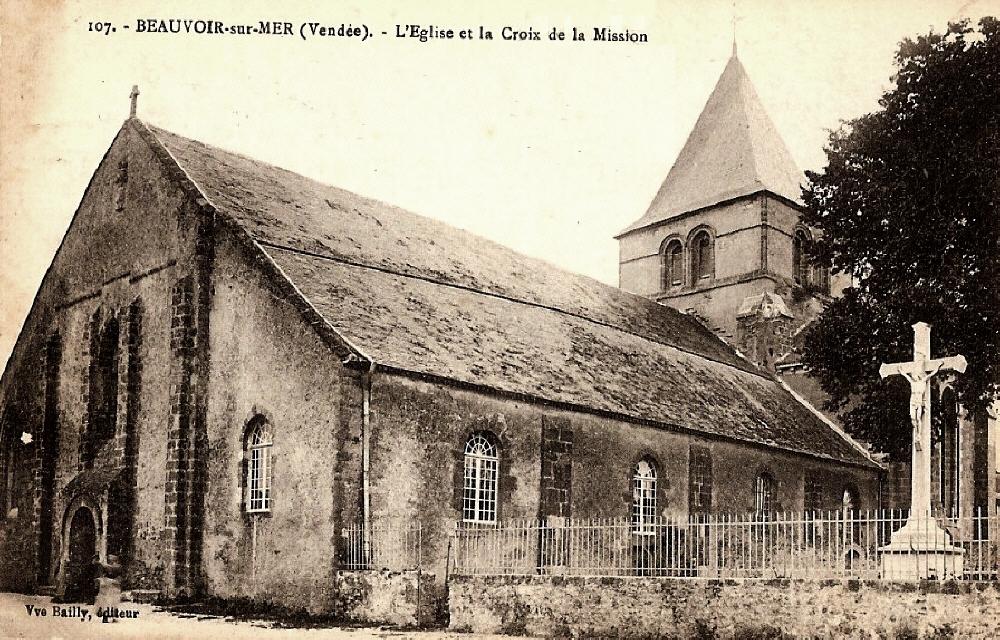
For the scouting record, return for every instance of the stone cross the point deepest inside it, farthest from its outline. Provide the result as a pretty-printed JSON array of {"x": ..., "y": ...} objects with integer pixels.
[
  {"x": 133, "y": 100},
  {"x": 919, "y": 373}
]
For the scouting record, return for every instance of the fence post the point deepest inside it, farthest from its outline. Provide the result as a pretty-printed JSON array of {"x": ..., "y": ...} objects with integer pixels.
[{"x": 419, "y": 570}]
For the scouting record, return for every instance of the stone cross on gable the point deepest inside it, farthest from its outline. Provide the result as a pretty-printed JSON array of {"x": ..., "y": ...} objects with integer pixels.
[
  {"x": 919, "y": 373},
  {"x": 133, "y": 100}
]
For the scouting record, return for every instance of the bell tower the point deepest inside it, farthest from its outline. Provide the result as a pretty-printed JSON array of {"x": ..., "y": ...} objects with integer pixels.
[{"x": 722, "y": 238}]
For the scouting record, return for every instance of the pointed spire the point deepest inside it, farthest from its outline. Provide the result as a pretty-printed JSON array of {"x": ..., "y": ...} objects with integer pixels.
[{"x": 734, "y": 150}]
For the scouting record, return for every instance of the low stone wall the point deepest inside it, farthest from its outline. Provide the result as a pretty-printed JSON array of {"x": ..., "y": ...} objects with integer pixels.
[
  {"x": 401, "y": 598},
  {"x": 696, "y": 608}
]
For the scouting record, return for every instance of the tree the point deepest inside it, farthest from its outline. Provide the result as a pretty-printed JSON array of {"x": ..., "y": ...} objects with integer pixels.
[{"x": 909, "y": 206}]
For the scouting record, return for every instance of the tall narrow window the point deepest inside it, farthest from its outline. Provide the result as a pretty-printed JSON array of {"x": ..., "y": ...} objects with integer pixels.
[
  {"x": 258, "y": 466},
  {"x": 673, "y": 265},
  {"x": 800, "y": 258},
  {"x": 702, "y": 265},
  {"x": 644, "y": 497},
  {"x": 482, "y": 464},
  {"x": 103, "y": 401},
  {"x": 822, "y": 277},
  {"x": 699, "y": 479},
  {"x": 7, "y": 466},
  {"x": 813, "y": 498},
  {"x": 763, "y": 495},
  {"x": 676, "y": 265},
  {"x": 812, "y": 503}
]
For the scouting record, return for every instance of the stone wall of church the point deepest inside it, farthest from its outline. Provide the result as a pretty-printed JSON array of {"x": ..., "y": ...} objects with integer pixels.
[
  {"x": 131, "y": 239},
  {"x": 266, "y": 361},
  {"x": 420, "y": 430}
]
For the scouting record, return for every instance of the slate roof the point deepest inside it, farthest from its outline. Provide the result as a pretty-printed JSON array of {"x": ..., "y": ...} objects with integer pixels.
[
  {"x": 734, "y": 150},
  {"x": 419, "y": 296}
]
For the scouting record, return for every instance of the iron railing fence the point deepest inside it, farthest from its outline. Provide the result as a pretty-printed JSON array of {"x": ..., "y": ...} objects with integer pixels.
[
  {"x": 813, "y": 545},
  {"x": 392, "y": 546}
]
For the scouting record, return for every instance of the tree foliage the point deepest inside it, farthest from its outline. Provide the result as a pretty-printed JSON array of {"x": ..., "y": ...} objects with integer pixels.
[{"x": 909, "y": 207}]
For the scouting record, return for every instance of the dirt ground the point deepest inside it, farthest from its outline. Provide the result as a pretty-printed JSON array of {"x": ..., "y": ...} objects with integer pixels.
[{"x": 17, "y": 622}]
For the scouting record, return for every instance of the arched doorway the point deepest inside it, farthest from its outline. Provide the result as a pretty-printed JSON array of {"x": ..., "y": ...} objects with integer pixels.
[{"x": 80, "y": 569}]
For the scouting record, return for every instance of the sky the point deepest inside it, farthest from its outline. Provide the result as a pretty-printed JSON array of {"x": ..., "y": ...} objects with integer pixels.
[{"x": 547, "y": 147}]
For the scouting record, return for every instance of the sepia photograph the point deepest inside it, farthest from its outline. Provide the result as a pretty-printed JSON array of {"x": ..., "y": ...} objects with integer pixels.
[{"x": 602, "y": 319}]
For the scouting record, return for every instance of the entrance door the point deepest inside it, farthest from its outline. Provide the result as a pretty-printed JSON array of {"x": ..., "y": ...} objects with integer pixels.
[{"x": 80, "y": 569}]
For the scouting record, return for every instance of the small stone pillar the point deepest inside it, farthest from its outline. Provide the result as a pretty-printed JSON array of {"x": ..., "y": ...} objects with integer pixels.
[{"x": 109, "y": 589}]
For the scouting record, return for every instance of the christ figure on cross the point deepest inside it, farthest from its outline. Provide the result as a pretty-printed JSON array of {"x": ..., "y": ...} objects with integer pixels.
[
  {"x": 919, "y": 387},
  {"x": 919, "y": 373}
]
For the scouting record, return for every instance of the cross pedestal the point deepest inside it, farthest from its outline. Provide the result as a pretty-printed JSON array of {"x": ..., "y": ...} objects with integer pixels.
[{"x": 921, "y": 549}]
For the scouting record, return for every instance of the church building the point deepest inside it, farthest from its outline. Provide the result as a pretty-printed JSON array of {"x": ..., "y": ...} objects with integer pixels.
[{"x": 228, "y": 365}]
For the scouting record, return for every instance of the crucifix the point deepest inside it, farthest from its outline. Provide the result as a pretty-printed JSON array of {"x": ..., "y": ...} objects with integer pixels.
[
  {"x": 919, "y": 373},
  {"x": 133, "y": 100}
]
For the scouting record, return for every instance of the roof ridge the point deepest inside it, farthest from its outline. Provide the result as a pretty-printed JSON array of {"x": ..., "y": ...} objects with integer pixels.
[
  {"x": 372, "y": 200},
  {"x": 501, "y": 296},
  {"x": 151, "y": 127},
  {"x": 144, "y": 128}
]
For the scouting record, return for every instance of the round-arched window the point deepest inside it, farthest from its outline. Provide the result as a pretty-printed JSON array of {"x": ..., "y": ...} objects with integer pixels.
[
  {"x": 482, "y": 467},
  {"x": 644, "y": 496},
  {"x": 673, "y": 265},
  {"x": 702, "y": 259},
  {"x": 257, "y": 452}
]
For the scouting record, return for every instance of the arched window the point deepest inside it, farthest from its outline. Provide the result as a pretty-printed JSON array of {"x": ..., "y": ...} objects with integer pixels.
[
  {"x": 673, "y": 265},
  {"x": 801, "y": 268},
  {"x": 763, "y": 495},
  {"x": 702, "y": 260},
  {"x": 257, "y": 453},
  {"x": 482, "y": 466},
  {"x": 644, "y": 496}
]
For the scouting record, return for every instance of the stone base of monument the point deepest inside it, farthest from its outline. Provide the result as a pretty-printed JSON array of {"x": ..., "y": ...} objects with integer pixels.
[
  {"x": 921, "y": 550},
  {"x": 109, "y": 593}
]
